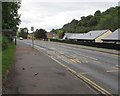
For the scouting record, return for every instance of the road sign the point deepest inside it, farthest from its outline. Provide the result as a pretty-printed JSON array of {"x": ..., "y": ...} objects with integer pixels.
[{"x": 32, "y": 28}]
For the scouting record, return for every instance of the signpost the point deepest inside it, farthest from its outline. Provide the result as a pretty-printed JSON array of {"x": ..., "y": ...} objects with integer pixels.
[{"x": 32, "y": 29}]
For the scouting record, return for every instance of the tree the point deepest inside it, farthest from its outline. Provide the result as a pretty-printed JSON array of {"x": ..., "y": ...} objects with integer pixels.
[
  {"x": 97, "y": 13},
  {"x": 53, "y": 30},
  {"x": 23, "y": 32},
  {"x": 60, "y": 33},
  {"x": 10, "y": 20},
  {"x": 10, "y": 16},
  {"x": 40, "y": 33},
  {"x": 93, "y": 21},
  {"x": 98, "y": 21}
]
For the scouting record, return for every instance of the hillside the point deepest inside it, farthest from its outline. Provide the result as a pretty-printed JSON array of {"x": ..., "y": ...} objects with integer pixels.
[{"x": 98, "y": 21}]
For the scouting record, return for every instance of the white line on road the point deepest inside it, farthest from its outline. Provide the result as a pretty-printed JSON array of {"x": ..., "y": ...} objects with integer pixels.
[
  {"x": 82, "y": 54},
  {"x": 67, "y": 47},
  {"x": 88, "y": 57}
]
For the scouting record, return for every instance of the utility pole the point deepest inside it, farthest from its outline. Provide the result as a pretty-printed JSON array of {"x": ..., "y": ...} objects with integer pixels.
[{"x": 32, "y": 29}]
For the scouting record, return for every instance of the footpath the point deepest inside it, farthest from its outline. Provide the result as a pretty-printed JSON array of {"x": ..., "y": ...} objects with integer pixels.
[{"x": 35, "y": 73}]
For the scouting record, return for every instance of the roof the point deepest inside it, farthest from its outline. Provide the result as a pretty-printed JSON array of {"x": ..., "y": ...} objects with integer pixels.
[
  {"x": 73, "y": 35},
  {"x": 113, "y": 36},
  {"x": 91, "y": 35}
]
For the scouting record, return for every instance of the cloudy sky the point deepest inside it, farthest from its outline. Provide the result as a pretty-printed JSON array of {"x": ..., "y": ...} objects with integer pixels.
[{"x": 49, "y": 14}]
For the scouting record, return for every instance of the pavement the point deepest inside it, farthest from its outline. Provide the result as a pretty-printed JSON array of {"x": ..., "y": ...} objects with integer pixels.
[{"x": 33, "y": 72}]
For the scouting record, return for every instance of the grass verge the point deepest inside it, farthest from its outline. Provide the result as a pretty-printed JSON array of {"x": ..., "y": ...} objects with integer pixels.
[
  {"x": 7, "y": 59},
  {"x": 0, "y": 69}
]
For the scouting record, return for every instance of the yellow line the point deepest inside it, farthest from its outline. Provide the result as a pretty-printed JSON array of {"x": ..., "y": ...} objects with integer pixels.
[
  {"x": 73, "y": 60},
  {"x": 97, "y": 62},
  {"x": 115, "y": 67},
  {"x": 69, "y": 56},
  {"x": 61, "y": 52},
  {"x": 70, "y": 61},
  {"x": 84, "y": 73},
  {"x": 52, "y": 57},
  {"x": 112, "y": 71},
  {"x": 77, "y": 60},
  {"x": 100, "y": 89},
  {"x": 94, "y": 84},
  {"x": 67, "y": 61},
  {"x": 72, "y": 70},
  {"x": 88, "y": 49}
]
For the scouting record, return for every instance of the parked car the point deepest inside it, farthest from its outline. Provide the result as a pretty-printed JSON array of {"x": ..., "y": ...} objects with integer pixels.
[{"x": 20, "y": 38}]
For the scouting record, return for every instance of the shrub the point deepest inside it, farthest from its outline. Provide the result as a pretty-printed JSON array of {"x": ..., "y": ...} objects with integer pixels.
[{"x": 5, "y": 43}]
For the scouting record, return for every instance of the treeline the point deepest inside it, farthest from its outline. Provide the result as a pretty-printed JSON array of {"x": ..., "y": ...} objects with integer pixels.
[
  {"x": 99, "y": 21},
  {"x": 23, "y": 32},
  {"x": 10, "y": 20}
]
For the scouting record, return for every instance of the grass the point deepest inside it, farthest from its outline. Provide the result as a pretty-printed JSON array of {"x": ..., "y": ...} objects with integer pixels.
[
  {"x": 0, "y": 62},
  {"x": 7, "y": 58},
  {"x": 0, "y": 54}
]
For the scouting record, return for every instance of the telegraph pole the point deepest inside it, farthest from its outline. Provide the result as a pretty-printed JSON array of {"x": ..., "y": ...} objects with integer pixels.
[{"x": 32, "y": 29}]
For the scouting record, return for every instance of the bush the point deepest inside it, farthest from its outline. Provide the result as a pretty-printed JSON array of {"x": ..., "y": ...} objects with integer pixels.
[
  {"x": 53, "y": 39},
  {"x": 5, "y": 43}
]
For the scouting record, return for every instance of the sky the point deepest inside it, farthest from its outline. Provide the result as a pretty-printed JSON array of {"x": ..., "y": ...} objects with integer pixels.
[{"x": 53, "y": 14}]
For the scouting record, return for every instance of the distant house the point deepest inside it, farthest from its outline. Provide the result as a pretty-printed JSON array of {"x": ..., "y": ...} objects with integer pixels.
[
  {"x": 72, "y": 35},
  {"x": 114, "y": 37},
  {"x": 91, "y": 36},
  {"x": 29, "y": 36},
  {"x": 52, "y": 35}
]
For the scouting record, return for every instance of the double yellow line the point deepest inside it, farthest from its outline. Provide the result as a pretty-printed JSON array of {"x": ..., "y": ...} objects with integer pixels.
[
  {"x": 87, "y": 49},
  {"x": 75, "y": 60},
  {"x": 88, "y": 81}
]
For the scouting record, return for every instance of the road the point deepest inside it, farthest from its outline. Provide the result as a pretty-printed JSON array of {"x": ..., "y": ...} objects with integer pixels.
[{"x": 98, "y": 69}]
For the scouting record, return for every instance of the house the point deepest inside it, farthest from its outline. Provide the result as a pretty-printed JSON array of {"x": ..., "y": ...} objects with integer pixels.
[
  {"x": 114, "y": 37},
  {"x": 91, "y": 36},
  {"x": 72, "y": 35},
  {"x": 95, "y": 36},
  {"x": 29, "y": 36},
  {"x": 52, "y": 35}
]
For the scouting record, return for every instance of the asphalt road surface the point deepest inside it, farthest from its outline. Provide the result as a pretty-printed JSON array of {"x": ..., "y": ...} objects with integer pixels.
[
  {"x": 98, "y": 69},
  {"x": 35, "y": 73}
]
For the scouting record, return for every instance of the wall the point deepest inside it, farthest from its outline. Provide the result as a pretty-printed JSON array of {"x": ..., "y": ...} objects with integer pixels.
[{"x": 102, "y": 36}]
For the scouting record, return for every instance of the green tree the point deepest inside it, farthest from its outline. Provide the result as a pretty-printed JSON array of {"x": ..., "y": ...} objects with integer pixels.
[
  {"x": 97, "y": 13},
  {"x": 60, "y": 33},
  {"x": 101, "y": 20},
  {"x": 40, "y": 33},
  {"x": 23, "y": 32},
  {"x": 10, "y": 20},
  {"x": 10, "y": 16}
]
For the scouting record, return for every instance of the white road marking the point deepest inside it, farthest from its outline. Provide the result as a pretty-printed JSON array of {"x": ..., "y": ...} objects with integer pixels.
[
  {"x": 82, "y": 54},
  {"x": 88, "y": 56},
  {"x": 67, "y": 47}
]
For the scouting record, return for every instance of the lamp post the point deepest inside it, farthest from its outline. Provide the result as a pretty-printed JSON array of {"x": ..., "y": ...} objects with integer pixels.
[{"x": 32, "y": 29}]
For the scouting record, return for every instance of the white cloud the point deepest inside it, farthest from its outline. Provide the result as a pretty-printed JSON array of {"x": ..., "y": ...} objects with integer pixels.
[{"x": 49, "y": 15}]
